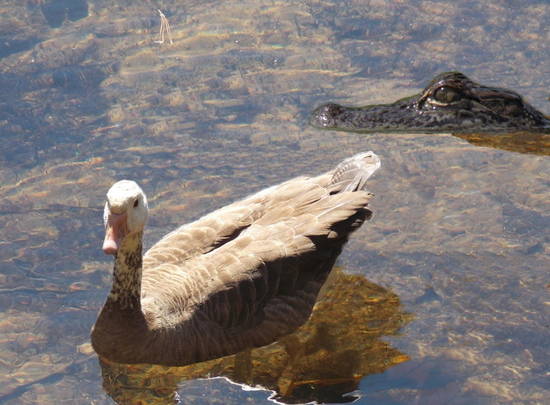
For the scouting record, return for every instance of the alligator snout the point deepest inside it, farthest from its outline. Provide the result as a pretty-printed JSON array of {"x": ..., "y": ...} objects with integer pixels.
[{"x": 325, "y": 116}]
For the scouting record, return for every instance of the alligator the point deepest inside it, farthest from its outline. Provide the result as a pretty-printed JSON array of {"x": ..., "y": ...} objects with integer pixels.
[{"x": 451, "y": 103}]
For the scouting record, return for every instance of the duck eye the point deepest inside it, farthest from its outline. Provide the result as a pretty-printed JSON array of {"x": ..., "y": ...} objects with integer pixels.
[
  {"x": 136, "y": 203},
  {"x": 446, "y": 95}
]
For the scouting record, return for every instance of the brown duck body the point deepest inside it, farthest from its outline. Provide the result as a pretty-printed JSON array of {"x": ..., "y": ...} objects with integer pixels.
[{"x": 237, "y": 278}]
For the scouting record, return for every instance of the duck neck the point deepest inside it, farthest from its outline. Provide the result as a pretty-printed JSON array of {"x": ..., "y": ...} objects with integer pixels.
[{"x": 126, "y": 290}]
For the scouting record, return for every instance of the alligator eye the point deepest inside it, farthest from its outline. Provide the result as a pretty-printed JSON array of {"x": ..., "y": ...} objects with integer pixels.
[
  {"x": 136, "y": 203},
  {"x": 446, "y": 95}
]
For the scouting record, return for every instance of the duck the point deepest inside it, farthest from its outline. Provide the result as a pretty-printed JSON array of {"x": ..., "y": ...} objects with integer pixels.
[{"x": 238, "y": 278}]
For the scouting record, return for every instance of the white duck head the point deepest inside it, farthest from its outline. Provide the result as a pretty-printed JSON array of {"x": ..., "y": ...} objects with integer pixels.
[{"x": 125, "y": 213}]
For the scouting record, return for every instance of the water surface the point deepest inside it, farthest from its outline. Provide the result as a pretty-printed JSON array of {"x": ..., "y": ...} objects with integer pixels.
[{"x": 442, "y": 296}]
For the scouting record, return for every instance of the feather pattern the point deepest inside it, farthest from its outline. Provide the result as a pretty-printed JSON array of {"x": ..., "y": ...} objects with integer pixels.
[{"x": 239, "y": 277}]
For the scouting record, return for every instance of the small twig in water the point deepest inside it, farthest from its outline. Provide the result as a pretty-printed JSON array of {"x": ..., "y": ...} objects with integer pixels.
[{"x": 164, "y": 29}]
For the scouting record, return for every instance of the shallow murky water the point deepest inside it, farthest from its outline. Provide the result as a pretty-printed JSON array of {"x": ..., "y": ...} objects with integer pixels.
[{"x": 441, "y": 298}]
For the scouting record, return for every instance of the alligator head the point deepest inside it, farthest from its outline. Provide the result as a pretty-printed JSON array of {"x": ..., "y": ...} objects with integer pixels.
[{"x": 450, "y": 103}]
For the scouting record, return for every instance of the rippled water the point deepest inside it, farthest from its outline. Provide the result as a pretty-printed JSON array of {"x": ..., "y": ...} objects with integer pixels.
[{"x": 441, "y": 298}]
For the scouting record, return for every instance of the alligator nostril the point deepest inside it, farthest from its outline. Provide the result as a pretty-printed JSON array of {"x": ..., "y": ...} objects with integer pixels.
[
  {"x": 324, "y": 116},
  {"x": 332, "y": 109}
]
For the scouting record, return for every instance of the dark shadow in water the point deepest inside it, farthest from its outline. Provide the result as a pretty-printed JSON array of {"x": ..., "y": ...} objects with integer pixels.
[
  {"x": 484, "y": 116},
  {"x": 10, "y": 45},
  {"x": 322, "y": 361},
  {"x": 57, "y": 11}
]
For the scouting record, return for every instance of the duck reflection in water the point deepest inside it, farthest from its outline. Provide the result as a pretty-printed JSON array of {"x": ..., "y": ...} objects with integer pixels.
[{"x": 323, "y": 361}]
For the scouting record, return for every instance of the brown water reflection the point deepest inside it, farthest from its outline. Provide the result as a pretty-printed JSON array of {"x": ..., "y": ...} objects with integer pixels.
[
  {"x": 522, "y": 142},
  {"x": 323, "y": 360}
]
